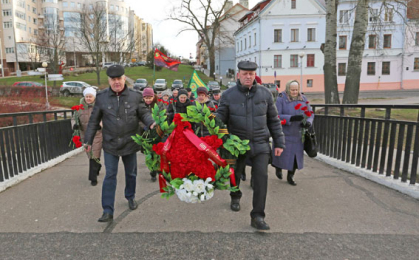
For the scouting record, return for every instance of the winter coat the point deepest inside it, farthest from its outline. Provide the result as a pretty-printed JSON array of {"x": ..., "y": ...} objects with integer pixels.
[
  {"x": 200, "y": 127},
  {"x": 84, "y": 116},
  {"x": 143, "y": 127},
  {"x": 176, "y": 108},
  {"x": 120, "y": 116},
  {"x": 292, "y": 131},
  {"x": 251, "y": 114}
]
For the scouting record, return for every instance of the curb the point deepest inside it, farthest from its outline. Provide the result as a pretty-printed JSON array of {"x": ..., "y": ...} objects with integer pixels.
[
  {"x": 411, "y": 190},
  {"x": 29, "y": 173}
]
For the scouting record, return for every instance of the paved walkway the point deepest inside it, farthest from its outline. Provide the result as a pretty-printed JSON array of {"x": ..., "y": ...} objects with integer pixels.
[{"x": 330, "y": 214}]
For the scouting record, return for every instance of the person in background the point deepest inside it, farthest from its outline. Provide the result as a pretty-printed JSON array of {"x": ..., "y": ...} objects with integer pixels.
[
  {"x": 203, "y": 100},
  {"x": 249, "y": 112},
  {"x": 179, "y": 106},
  {"x": 165, "y": 99},
  {"x": 175, "y": 93},
  {"x": 191, "y": 96},
  {"x": 88, "y": 102},
  {"x": 150, "y": 99},
  {"x": 159, "y": 95},
  {"x": 120, "y": 109},
  {"x": 215, "y": 98},
  {"x": 293, "y": 156}
]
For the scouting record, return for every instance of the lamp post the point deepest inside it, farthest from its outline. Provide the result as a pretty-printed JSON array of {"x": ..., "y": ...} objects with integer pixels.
[
  {"x": 301, "y": 55},
  {"x": 45, "y": 65}
]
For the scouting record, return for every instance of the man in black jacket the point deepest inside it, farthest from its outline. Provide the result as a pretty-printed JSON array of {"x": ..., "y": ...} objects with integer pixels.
[
  {"x": 250, "y": 113},
  {"x": 120, "y": 109}
]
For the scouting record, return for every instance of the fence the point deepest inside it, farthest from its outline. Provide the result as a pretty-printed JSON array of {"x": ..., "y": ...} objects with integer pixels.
[
  {"x": 384, "y": 145},
  {"x": 34, "y": 138}
]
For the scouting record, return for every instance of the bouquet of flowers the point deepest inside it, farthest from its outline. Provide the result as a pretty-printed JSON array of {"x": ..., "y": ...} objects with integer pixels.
[
  {"x": 75, "y": 138},
  {"x": 186, "y": 161},
  {"x": 306, "y": 114}
]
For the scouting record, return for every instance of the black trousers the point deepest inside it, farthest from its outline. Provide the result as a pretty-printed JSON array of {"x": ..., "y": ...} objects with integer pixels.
[
  {"x": 260, "y": 181},
  {"x": 94, "y": 169}
]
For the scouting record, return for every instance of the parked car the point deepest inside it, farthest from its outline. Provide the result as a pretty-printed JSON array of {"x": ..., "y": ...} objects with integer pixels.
[
  {"x": 273, "y": 88},
  {"x": 106, "y": 65},
  {"x": 160, "y": 84},
  {"x": 177, "y": 83},
  {"x": 141, "y": 63},
  {"x": 73, "y": 88},
  {"x": 213, "y": 85},
  {"x": 140, "y": 84},
  {"x": 24, "y": 85},
  {"x": 231, "y": 84}
]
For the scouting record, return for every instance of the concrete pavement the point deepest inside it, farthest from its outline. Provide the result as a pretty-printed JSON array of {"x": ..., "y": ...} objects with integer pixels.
[{"x": 330, "y": 214}]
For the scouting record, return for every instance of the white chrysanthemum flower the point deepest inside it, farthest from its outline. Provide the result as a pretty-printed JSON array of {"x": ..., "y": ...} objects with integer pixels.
[
  {"x": 182, "y": 195},
  {"x": 199, "y": 186},
  {"x": 210, "y": 187},
  {"x": 202, "y": 197},
  {"x": 210, "y": 194},
  {"x": 208, "y": 180},
  {"x": 193, "y": 199},
  {"x": 188, "y": 185}
]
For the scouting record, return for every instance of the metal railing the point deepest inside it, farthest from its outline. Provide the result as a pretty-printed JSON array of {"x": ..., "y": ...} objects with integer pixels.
[
  {"x": 381, "y": 144},
  {"x": 32, "y": 139}
]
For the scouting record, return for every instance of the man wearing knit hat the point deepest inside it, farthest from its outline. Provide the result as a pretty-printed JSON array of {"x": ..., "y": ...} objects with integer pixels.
[{"x": 120, "y": 109}]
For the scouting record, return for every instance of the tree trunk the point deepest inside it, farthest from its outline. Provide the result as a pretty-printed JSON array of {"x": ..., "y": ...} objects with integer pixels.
[
  {"x": 331, "y": 93},
  {"x": 97, "y": 69},
  {"x": 353, "y": 77},
  {"x": 212, "y": 62}
]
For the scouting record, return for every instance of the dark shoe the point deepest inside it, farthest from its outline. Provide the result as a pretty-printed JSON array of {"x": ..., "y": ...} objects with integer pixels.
[
  {"x": 259, "y": 223},
  {"x": 132, "y": 204},
  {"x": 93, "y": 183},
  {"x": 106, "y": 217},
  {"x": 278, "y": 172},
  {"x": 235, "y": 204},
  {"x": 153, "y": 178},
  {"x": 243, "y": 177},
  {"x": 290, "y": 179}
]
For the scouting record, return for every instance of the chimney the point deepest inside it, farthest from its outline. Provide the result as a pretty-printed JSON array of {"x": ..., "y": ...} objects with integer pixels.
[
  {"x": 229, "y": 4},
  {"x": 245, "y": 3}
]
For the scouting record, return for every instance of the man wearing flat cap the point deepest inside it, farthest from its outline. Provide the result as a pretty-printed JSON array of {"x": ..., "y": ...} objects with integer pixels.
[
  {"x": 249, "y": 111},
  {"x": 120, "y": 109}
]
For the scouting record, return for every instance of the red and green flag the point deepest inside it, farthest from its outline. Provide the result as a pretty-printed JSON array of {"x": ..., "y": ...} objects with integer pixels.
[{"x": 163, "y": 61}]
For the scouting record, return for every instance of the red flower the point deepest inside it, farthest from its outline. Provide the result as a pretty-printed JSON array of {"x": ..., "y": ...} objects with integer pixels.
[
  {"x": 77, "y": 107},
  {"x": 78, "y": 144},
  {"x": 76, "y": 139},
  {"x": 308, "y": 113},
  {"x": 283, "y": 122},
  {"x": 297, "y": 106},
  {"x": 211, "y": 108},
  {"x": 304, "y": 108},
  {"x": 81, "y": 107},
  {"x": 307, "y": 102}
]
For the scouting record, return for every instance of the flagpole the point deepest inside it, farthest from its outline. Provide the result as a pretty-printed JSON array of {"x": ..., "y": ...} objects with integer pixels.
[{"x": 154, "y": 67}]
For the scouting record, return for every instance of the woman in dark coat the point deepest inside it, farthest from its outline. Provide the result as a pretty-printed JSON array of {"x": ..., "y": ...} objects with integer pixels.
[
  {"x": 178, "y": 106},
  {"x": 203, "y": 99},
  {"x": 293, "y": 122}
]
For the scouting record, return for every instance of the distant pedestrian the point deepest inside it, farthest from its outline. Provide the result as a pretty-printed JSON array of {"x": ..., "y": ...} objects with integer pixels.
[
  {"x": 120, "y": 109},
  {"x": 293, "y": 156},
  {"x": 175, "y": 93},
  {"x": 215, "y": 97},
  {"x": 179, "y": 106},
  {"x": 88, "y": 102},
  {"x": 191, "y": 96}
]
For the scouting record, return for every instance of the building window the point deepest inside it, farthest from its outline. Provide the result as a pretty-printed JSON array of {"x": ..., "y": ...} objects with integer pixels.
[
  {"x": 245, "y": 43},
  {"x": 35, "y": 21},
  {"x": 344, "y": 16},
  {"x": 294, "y": 35},
  {"x": 311, "y": 34},
  {"x": 117, "y": 7},
  {"x": 294, "y": 61},
  {"x": 250, "y": 41},
  {"x": 241, "y": 45},
  {"x": 34, "y": 10},
  {"x": 65, "y": 4},
  {"x": 112, "y": 7},
  {"x": 278, "y": 35},
  {"x": 21, "y": 3},
  {"x": 277, "y": 83},
  {"x": 371, "y": 68},
  {"x": 371, "y": 41},
  {"x": 342, "y": 69},
  {"x": 277, "y": 61},
  {"x": 309, "y": 83},
  {"x": 385, "y": 70},
  {"x": 21, "y": 26},
  {"x": 255, "y": 39},
  {"x": 91, "y": 7},
  {"x": 387, "y": 41},
  {"x": 78, "y": 5},
  {"x": 7, "y": 12},
  {"x": 416, "y": 64},
  {"x": 293, "y": 4},
  {"x": 72, "y": 4},
  {"x": 373, "y": 15},
  {"x": 10, "y": 50},
  {"x": 417, "y": 39},
  {"x": 20, "y": 15},
  {"x": 35, "y": 31},
  {"x": 6, "y": 1},
  {"x": 7, "y": 25},
  {"x": 310, "y": 60},
  {"x": 342, "y": 42},
  {"x": 388, "y": 14}
]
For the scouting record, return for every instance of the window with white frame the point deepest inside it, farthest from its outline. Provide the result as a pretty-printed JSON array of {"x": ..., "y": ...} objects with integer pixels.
[
  {"x": 311, "y": 34},
  {"x": 342, "y": 42},
  {"x": 293, "y": 4},
  {"x": 371, "y": 68},
  {"x": 277, "y": 35},
  {"x": 344, "y": 16},
  {"x": 417, "y": 39},
  {"x": 5, "y": 1},
  {"x": 255, "y": 40},
  {"x": 21, "y": 26},
  {"x": 20, "y": 15},
  {"x": 10, "y": 50},
  {"x": 250, "y": 41},
  {"x": 342, "y": 69},
  {"x": 387, "y": 41},
  {"x": 416, "y": 64},
  {"x": 7, "y": 25},
  {"x": 21, "y": 3},
  {"x": 277, "y": 61},
  {"x": 309, "y": 83},
  {"x": 65, "y": 4},
  {"x": 7, "y": 12},
  {"x": 310, "y": 60},
  {"x": 245, "y": 43},
  {"x": 372, "y": 40},
  {"x": 294, "y": 61},
  {"x": 294, "y": 35},
  {"x": 34, "y": 10},
  {"x": 72, "y": 4},
  {"x": 385, "y": 68},
  {"x": 373, "y": 15},
  {"x": 388, "y": 14}
]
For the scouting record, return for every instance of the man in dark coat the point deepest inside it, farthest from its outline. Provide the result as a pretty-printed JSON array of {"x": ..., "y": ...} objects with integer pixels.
[
  {"x": 215, "y": 97},
  {"x": 249, "y": 111},
  {"x": 120, "y": 109}
]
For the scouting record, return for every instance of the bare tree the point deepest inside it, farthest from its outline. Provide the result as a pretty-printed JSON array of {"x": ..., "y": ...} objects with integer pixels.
[
  {"x": 202, "y": 16},
  {"x": 329, "y": 50}
]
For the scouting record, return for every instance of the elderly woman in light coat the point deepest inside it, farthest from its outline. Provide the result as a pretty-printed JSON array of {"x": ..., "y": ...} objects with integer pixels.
[
  {"x": 88, "y": 101},
  {"x": 294, "y": 121}
]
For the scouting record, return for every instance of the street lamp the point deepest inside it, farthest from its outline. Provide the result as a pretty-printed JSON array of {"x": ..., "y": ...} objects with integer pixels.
[
  {"x": 301, "y": 55},
  {"x": 45, "y": 65}
]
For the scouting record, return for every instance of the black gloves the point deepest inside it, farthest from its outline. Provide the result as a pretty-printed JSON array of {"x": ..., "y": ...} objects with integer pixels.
[
  {"x": 306, "y": 125},
  {"x": 76, "y": 127},
  {"x": 296, "y": 118}
]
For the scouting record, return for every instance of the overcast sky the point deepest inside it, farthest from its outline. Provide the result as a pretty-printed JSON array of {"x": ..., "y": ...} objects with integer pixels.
[{"x": 155, "y": 12}]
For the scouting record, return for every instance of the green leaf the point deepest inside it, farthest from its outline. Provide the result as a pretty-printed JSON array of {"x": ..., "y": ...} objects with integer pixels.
[
  {"x": 212, "y": 124},
  {"x": 198, "y": 106}
]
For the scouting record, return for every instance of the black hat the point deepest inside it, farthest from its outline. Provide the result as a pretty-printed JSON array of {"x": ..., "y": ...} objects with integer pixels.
[
  {"x": 216, "y": 91},
  {"x": 247, "y": 65},
  {"x": 202, "y": 90},
  {"x": 115, "y": 71},
  {"x": 182, "y": 92},
  {"x": 188, "y": 89}
]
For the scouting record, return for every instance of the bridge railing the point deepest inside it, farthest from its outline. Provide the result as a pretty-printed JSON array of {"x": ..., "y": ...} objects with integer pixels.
[
  {"x": 371, "y": 137},
  {"x": 32, "y": 138}
]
